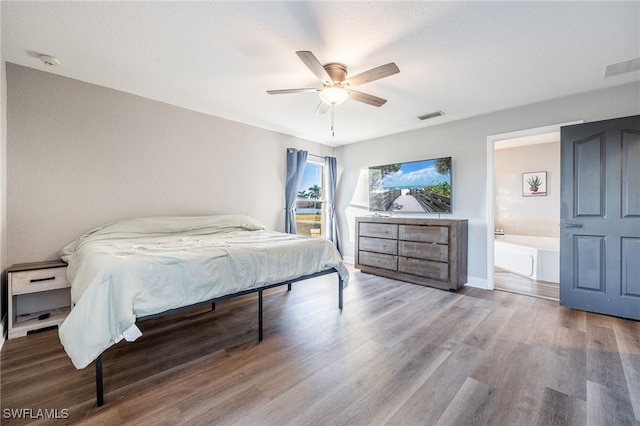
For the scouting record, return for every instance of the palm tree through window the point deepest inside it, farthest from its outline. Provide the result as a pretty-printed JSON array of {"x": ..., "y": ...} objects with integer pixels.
[{"x": 310, "y": 202}]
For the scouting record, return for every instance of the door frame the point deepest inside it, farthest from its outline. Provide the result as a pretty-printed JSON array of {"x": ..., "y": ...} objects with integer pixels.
[{"x": 491, "y": 144}]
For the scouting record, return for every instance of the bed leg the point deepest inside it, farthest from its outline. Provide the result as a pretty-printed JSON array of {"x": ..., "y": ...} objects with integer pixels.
[
  {"x": 213, "y": 306},
  {"x": 99, "y": 386},
  {"x": 260, "y": 315},
  {"x": 288, "y": 286},
  {"x": 340, "y": 301}
]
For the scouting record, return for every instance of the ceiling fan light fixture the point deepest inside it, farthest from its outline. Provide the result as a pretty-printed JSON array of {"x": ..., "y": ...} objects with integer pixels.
[{"x": 333, "y": 95}]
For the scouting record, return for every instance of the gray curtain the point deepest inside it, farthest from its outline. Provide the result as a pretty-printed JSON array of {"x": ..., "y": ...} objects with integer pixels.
[
  {"x": 330, "y": 200},
  {"x": 296, "y": 159}
]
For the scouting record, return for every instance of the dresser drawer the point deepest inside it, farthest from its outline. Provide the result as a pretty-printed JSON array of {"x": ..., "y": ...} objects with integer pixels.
[
  {"x": 424, "y": 268},
  {"x": 37, "y": 280},
  {"x": 429, "y": 251},
  {"x": 427, "y": 234},
  {"x": 379, "y": 230},
  {"x": 377, "y": 260},
  {"x": 378, "y": 245}
]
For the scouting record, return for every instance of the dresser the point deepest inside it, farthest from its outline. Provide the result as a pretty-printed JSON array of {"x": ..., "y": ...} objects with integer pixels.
[{"x": 430, "y": 252}]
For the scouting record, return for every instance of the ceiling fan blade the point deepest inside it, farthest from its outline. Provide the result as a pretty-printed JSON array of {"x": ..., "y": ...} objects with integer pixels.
[
  {"x": 373, "y": 74},
  {"x": 315, "y": 66},
  {"x": 322, "y": 108},
  {"x": 366, "y": 98},
  {"x": 284, "y": 91}
]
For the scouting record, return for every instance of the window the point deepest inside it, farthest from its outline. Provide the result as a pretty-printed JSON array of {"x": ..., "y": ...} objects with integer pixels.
[{"x": 310, "y": 202}]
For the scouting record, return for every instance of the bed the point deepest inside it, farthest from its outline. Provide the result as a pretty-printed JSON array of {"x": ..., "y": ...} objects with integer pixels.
[{"x": 130, "y": 270}]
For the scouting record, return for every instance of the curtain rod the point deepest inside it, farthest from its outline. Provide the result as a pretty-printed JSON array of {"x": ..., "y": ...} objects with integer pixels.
[{"x": 312, "y": 155}]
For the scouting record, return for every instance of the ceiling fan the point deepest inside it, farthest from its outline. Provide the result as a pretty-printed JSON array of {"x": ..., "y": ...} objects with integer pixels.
[{"x": 336, "y": 87}]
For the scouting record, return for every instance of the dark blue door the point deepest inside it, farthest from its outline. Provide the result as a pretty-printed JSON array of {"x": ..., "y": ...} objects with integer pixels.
[{"x": 600, "y": 217}]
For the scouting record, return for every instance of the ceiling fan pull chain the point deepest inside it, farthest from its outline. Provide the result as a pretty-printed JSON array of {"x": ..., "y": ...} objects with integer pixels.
[{"x": 333, "y": 108}]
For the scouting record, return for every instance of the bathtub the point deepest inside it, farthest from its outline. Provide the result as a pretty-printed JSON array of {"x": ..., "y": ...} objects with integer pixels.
[{"x": 537, "y": 258}]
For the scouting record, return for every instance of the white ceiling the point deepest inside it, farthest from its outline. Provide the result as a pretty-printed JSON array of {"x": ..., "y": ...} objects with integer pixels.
[
  {"x": 536, "y": 139},
  {"x": 219, "y": 58}
]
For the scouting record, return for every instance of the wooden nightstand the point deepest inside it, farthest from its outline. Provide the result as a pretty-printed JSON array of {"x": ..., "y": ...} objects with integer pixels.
[{"x": 41, "y": 287}]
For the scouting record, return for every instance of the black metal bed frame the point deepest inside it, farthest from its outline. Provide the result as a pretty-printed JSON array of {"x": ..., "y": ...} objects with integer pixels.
[{"x": 260, "y": 290}]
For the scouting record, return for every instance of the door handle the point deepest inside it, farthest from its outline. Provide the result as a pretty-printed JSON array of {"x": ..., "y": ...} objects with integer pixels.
[{"x": 571, "y": 225}]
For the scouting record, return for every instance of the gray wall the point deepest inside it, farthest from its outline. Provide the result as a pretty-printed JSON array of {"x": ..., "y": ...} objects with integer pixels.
[
  {"x": 3, "y": 192},
  {"x": 80, "y": 155},
  {"x": 466, "y": 142}
]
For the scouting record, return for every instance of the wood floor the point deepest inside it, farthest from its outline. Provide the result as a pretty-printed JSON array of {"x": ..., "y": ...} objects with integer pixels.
[
  {"x": 508, "y": 281},
  {"x": 398, "y": 354}
]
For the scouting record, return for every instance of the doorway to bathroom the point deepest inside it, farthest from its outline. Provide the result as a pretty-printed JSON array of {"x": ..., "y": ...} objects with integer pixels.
[{"x": 524, "y": 212}]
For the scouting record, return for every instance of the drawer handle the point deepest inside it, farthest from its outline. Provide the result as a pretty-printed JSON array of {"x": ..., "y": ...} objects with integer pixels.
[{"x": 35, "y": 280}]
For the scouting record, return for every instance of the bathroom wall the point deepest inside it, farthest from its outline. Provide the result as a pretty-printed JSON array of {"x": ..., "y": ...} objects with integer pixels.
[{"x": 527, "y": 215}]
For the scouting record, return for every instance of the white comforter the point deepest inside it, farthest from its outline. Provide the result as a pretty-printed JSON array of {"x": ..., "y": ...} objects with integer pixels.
[{"x": 140, "y": 267}]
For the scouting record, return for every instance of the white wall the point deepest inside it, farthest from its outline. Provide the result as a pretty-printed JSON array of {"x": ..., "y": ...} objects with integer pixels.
[
  {"x": 466, "y": 142},
  {"x": 516, "y": 214},
  {"x": 81, "y": 155}
]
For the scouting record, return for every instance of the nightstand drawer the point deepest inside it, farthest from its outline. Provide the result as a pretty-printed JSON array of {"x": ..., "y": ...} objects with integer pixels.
[{"x": 37, "y": 280}]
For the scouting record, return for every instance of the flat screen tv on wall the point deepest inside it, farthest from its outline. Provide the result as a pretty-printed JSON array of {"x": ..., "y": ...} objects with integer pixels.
[{"x": 411, "y": 187}]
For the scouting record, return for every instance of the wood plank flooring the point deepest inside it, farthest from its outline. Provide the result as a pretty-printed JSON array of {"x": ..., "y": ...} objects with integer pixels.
[
  {"x": 398, "y": 354},
  {"x": 508, "y": 281}
]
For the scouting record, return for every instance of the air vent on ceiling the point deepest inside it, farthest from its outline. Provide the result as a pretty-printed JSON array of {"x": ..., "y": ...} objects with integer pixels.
[
  {"x": 623, "y": 67},
  {"x": 431, "y": 115}
]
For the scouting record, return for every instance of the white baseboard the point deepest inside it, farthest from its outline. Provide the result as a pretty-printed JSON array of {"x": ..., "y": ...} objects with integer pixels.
[
  {"x": 348, "y": 259},
  {"x": 477, "y": 283}
]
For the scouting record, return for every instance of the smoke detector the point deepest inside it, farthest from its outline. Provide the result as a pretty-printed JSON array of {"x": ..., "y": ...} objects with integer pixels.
[{"x": 49, "y": 60}]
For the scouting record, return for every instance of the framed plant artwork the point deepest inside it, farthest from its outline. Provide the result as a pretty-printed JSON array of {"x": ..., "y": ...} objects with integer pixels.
[{"x": 534, "y": 184}]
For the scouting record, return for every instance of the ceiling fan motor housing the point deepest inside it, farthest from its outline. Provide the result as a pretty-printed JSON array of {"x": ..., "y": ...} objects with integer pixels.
[{"x": 337, "y": 72}]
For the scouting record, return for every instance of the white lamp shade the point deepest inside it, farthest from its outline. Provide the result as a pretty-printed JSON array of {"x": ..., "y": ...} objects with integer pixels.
[{"x": 334, "y": 95}]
